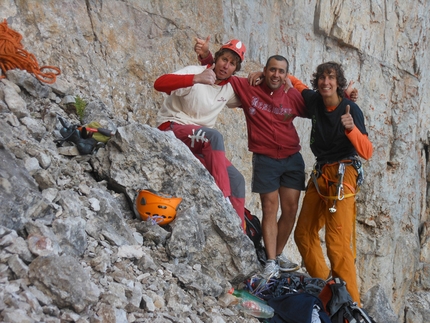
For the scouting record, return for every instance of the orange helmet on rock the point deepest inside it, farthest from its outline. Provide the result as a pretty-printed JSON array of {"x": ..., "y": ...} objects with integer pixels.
[
  {"x": 160, "y": 209},
  {"x": 236, "y": 46}
]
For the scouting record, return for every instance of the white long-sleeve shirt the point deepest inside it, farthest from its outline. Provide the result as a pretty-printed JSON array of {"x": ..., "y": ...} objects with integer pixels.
[{"x": 197, "y": 104}]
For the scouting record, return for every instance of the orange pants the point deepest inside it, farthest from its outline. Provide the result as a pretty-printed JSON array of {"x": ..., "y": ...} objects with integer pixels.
[{"x": 339, "y": 228}]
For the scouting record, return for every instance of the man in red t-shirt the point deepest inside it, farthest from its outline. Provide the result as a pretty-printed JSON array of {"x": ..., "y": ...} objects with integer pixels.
[{"x": 278, "y": 167}]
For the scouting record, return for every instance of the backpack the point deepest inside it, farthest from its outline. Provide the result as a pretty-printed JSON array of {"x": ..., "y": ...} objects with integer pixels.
[
  {"x": 82, "y": 137},
  {"x": 253, "y": 227},
  {"x": 286, "y": 283},
  {"x": 339, "y": 305},
  {"x": 293, "y": 296},
  {"x": 254, "y": 232}
]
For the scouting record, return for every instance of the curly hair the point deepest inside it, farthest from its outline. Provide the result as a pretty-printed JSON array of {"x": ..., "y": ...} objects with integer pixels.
[
  {"x": 222, "y": 51},
  {"x": 327, "y": 68}
]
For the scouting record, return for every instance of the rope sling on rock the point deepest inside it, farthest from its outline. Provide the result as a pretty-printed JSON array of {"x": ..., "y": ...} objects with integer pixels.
[{"x": 13, "y": 55}]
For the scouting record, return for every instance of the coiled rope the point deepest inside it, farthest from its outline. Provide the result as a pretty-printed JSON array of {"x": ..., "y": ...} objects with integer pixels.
[{"x": 13, "y": 55}]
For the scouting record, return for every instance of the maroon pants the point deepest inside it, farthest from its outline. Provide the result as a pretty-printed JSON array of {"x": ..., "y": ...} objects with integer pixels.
[{"x": 207, "y": 145}]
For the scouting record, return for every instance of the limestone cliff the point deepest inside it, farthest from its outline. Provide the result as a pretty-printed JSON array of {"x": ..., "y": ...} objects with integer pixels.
[{"x": 114, "y": 50}]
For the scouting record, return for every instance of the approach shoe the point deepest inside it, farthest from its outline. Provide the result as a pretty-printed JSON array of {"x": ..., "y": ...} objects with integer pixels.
[
  {"x": 285, "y": 264},
  {"x": 271, "y": 269}
]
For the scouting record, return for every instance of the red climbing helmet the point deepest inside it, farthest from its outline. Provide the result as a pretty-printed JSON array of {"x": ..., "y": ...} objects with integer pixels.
[
  {"x": 236, "y": 46},
  {"x": 161, "y": 209}
]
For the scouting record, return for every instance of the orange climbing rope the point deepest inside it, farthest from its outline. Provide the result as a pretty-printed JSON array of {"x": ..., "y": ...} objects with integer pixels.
[{"x": 13, "y": 55}]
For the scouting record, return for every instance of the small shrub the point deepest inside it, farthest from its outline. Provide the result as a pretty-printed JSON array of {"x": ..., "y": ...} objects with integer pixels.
[{"x": 80, "y": 106}]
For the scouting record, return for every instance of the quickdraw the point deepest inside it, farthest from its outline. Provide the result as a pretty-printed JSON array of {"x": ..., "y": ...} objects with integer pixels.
[{"x": 340, "y": 191}]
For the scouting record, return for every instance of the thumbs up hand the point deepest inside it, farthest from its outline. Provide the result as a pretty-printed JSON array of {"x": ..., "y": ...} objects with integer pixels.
[
  {"x": 202, "y": 47},
  {"x": 208, "y": 76},
  {"x": 352, "y": 92},
  {"x": 347, "y": 120}
]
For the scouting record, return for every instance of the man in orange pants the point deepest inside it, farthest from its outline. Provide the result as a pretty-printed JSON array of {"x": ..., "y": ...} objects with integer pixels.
[
  {"x": 338, "y": 137},
  {"x": 315, "y": 214}
]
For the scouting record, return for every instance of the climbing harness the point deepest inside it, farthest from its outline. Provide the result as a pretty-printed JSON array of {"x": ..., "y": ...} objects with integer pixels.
[
  {"x": 13, "y": 55},
  {"x": 340, "y": 195}
]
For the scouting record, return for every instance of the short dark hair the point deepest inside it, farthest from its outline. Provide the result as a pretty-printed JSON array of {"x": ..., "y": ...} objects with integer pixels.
[
  {"x": 278, "y": 58},
  {"x": 340, "y": 76},
  {"x": 222, "y": 51}
]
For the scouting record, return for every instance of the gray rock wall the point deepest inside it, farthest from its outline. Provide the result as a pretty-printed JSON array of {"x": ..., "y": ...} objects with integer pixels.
[{"x": 114, "y": 50}]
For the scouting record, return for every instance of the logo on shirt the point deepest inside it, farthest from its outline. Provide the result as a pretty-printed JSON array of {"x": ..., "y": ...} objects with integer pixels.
[
  {"x": 222, "y": 99},
  {"x": 259, "y": 105},
  {"x": 313, "y": 131},
  {"x": 288, "y": 114}
]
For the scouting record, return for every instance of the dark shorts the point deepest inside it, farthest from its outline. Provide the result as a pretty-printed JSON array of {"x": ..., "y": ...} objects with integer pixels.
[{"x": 268, "y": 174}]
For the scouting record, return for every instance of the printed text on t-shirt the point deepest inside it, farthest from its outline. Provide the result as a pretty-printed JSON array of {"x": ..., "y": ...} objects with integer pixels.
[{"x": 257, "y": 104}]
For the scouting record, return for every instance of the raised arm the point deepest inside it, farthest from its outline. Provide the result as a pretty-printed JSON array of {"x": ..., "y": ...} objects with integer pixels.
[
  {"x": 201, "y": 48},
  {"x": 351, "y": 92}
]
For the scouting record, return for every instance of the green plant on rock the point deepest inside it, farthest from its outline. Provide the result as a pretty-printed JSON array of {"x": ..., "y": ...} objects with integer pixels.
[{"x": 80, "y": 105}]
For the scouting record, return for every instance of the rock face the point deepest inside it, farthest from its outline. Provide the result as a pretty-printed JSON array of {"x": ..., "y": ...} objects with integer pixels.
[
  {"x": 73, "y": 246},
  {"x": 57, "y": 205}
]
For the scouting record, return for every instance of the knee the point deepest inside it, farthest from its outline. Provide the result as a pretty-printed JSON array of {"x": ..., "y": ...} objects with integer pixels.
[
  {"x": 240, "y": 180},
  {"x": 237, "y": 181},
  {"x": 269, "y": 209},
  {"x": 216, "y": 135},
  {"x": 290, "y": 210},
  {"x": 239, "y": 188},
  {"x": 216, "y": 138}
]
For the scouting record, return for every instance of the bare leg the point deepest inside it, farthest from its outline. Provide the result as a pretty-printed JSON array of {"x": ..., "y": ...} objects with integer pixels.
[
  {"x": 270, "y": 205},
  {"x": 289, "y": 206}
]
